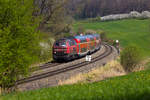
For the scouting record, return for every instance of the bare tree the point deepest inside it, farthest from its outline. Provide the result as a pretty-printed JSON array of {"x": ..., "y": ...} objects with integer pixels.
[{"x": 53, "y": 14}]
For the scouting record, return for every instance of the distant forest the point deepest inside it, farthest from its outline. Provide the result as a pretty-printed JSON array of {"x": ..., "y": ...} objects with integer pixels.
[
  {"x": 58, "y": 15},
  {"x": 93, "y": 8}
]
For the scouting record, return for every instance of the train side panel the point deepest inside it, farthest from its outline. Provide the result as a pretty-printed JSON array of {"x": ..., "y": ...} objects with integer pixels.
[
  {"x": 70, "y": 48},
  {"x": 82, "y": 45}
]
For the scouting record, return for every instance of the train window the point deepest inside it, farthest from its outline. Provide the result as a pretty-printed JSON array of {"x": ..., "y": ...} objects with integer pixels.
[
  {"x": 60, "y": 43},
  {"x": 92, "y": 38},
  {"x": 72, "y": 42},
  {"x": 83, "y": 40},
  {"x": 56, "y": 44}
]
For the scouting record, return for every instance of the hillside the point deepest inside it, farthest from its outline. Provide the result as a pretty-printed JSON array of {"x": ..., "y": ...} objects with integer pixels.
[{"x": 130, "y": 31}]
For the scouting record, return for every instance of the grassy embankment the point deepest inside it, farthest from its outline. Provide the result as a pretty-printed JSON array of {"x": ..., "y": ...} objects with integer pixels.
[
  {"x": 130, "y": 31},
  {"x": 135, "y": 86}
]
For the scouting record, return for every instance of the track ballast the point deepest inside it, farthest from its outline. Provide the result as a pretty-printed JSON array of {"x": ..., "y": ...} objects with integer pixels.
[{"x": 107, "y": 52}]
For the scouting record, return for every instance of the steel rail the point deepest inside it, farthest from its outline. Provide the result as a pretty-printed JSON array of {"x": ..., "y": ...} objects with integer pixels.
[{"x": 107, "y": 52}]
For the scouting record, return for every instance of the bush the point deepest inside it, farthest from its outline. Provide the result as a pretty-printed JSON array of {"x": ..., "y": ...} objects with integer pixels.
[
  {"x": 130, "y": 58},
  {"x": 18, "y": 41},
  {"x": 80, "y": 30},
  {"x": 46, "y": 50},
  {"x": 104, "y": 37},
  {"x": 89, "y": 31},
  {"x": 96, "y": 19}
]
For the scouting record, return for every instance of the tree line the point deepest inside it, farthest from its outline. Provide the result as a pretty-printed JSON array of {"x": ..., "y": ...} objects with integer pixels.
[
  {"x": 60, "y": 13},
  {"x": 93, "y": 8}
]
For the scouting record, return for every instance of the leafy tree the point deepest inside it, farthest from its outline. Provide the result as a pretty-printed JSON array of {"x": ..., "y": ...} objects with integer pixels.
[
  {"x": 18, "y": 40},
  {"x": 130, "y": 57}
]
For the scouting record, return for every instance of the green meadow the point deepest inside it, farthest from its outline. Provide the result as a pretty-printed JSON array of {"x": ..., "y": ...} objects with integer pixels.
[
  {"x": 135, "y": 86},
  {"x": 129, "y": 32}
]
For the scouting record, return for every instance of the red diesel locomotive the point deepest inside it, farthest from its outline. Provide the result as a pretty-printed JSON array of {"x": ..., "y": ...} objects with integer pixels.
[{"x": 77, "y": 46}]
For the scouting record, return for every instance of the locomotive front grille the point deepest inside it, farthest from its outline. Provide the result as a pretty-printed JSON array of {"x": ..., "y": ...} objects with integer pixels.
[{"x": 60, "y": 54}]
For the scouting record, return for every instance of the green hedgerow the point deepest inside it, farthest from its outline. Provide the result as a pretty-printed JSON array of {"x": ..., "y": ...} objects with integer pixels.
[{"x": 130, "y": 57}]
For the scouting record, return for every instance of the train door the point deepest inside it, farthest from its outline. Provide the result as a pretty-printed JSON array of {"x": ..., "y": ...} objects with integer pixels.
[
  {"x": 88, "y": 43},
  {"x": 73, "y": 47},
  {"x": 83, "y": 45},
  {"x": 92, "y": 44}
]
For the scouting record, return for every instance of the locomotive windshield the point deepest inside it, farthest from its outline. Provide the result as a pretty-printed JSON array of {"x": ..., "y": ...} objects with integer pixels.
[{"x": 60, "y": 43}]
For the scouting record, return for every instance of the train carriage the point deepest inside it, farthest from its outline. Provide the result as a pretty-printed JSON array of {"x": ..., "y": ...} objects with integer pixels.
[
  {"x": 97, "y": 42},
  {"x": 82, "y": 45},
  {"x": 77, "y": 46},
  {"x": 91, "y": 43}
]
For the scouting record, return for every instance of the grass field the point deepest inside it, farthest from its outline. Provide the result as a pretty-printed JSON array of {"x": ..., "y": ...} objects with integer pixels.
[
  {"x": 130, "y": 31},
  {"x": 135, "y": 86}
]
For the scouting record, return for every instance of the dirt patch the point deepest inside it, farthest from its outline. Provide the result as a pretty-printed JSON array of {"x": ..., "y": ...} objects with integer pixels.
[{"x": 111, "y": 69}]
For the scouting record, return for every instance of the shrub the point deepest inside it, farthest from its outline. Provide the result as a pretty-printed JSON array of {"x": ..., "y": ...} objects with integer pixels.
[
  {"x": 46, "y": 50},
  {"x": 89, "y": 31},
  {"x": 104, "y": 37},
  {"x": 81, "y": 30},
  {"x": 130, "y": 58},
  {"x": 96, "y": 19}
]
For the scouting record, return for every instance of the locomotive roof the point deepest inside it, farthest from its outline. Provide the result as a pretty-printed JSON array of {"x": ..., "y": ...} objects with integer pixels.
[
  {"x": 80, "y": 37},
  {"x": 85, "y": 36},
  {"x": 89, "y": 36}
]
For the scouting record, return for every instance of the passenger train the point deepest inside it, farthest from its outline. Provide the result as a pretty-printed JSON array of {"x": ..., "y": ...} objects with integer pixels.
[{"x": 76, "y": 47}]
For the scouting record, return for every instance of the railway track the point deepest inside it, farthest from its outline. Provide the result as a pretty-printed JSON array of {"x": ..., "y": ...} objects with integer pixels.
[
  {"x": 47, "y": 65},
  {"x": 107, "y": 52}
]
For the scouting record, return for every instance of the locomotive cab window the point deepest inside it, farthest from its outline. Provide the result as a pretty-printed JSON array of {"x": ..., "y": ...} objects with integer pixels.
[{"x": 60, "y": 43}]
